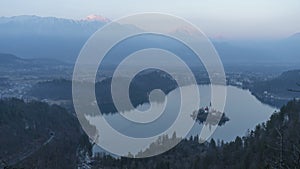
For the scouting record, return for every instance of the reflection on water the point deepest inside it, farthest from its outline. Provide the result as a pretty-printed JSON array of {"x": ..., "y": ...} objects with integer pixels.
[{"x": 242, "y": 108}]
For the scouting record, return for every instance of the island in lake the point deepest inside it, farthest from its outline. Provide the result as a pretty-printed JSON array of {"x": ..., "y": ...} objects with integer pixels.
[{"x": 201, "y": 116}]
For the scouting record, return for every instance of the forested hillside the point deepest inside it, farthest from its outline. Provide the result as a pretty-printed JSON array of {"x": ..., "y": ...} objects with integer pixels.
[
  {"x": 36, "y": 135},
  {"x": 278, "y": 91},
  {"x": 139, "y": 89},
  {"x": 274, "y": 144}
]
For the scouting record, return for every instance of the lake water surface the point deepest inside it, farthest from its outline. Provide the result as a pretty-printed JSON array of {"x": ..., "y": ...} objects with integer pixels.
[{"x": 242, "y": 108}]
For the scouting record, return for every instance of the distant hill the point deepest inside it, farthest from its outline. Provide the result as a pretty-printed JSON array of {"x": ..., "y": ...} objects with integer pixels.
[
  {"x": 8, "y": 58},
  {"x": 13, "y": 62},
  {"x": 264, "y": 52},
  {"x": 141, "y": 85},
  {"x": 279, "y": 90}
]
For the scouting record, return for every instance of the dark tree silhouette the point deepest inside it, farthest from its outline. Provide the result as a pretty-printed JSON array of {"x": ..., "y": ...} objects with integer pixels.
[{"x": 274, "y": 144}]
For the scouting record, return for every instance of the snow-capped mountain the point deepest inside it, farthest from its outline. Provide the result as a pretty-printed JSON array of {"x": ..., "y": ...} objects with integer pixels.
[
  {"x": 47, "y": 37},
  {"x": 62, "y": 39},
  {"x": 45, "y": 25}
]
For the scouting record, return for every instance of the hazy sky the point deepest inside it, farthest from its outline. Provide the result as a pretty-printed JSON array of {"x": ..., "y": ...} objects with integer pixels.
[{"x": 218, "y": 18}]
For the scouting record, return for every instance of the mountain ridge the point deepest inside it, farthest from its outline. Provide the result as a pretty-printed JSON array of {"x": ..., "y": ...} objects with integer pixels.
[{"x": 31, "y": 36}]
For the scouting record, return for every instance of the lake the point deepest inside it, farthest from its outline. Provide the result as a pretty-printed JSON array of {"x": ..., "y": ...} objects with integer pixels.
[{"x": 242, "y": 108}]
